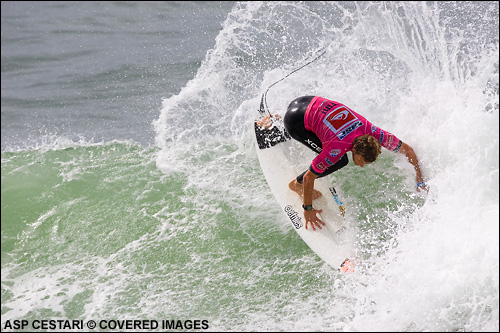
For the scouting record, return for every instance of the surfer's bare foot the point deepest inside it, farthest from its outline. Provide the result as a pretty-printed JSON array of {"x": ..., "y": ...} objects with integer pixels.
[
  {"x": 267, "y": 121},
  {"x": 299, "y": 189}
]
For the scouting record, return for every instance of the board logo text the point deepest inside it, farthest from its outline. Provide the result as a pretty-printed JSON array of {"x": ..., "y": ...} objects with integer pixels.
[{"x": 294, "y": 217}]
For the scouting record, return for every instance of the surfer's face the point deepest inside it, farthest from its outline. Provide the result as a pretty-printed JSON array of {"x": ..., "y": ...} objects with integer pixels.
[{"x": 358, "y": 159}]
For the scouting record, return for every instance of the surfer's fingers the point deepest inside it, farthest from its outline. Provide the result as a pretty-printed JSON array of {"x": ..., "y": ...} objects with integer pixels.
[
  {"x": 317, "y": 219},
  {"x": 318, "y": 223},
  {"x": 312, "y": 224}
]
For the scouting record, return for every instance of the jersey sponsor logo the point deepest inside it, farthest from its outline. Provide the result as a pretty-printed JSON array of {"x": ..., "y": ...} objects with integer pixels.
[
  {"x": 342, "y": 121},
  {"x": 334, "y": 152},
  {"x": 390, "y": 137},
  {"x": 374, "y": 128},
  {"x": 328, "y": 106},
  {"x": 349, "y": 129},
  {"x": 381, "y": 137},
  {"x": 321, "y": 166},
  {"x": 328, "y": 161}
]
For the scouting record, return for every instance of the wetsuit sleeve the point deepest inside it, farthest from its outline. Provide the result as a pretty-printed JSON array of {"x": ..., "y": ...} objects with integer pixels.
[
  {"x": 325, "y": 160},
  {"x": 386, "y": 139},
  {"x": 315, "y": 172}
]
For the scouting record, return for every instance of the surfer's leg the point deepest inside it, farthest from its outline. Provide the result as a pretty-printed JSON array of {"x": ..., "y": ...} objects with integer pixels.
[
  {"x": 298, "y": 188},
  {"x": 294, "y": 124}
]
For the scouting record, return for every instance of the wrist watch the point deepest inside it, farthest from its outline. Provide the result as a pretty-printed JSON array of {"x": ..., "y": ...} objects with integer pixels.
[{"x": 307, "y": 207}]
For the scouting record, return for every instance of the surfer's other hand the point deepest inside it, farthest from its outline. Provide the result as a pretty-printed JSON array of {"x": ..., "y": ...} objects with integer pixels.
[{"x": 310, "y": 216}]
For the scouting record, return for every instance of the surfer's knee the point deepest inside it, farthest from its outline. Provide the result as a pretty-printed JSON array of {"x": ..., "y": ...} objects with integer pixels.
[{"x": 300, "y": 178}]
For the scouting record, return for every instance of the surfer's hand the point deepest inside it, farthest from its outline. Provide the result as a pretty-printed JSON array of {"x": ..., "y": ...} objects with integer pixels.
[{"x": 310, "y": 216}]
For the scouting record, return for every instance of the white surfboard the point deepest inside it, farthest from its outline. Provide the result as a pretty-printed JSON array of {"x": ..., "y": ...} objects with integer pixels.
[{"x": 282, "y": 159}]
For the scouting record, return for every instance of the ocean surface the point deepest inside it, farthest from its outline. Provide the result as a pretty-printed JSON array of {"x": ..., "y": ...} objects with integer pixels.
[{"x": 131, "y": 188}]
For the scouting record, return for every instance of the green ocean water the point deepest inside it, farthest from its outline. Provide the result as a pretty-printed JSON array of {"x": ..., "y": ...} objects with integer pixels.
[{"x": 108, "y": 226}]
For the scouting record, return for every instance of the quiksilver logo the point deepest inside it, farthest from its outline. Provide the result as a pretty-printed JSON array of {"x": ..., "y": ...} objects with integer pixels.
[{"x": 294, "y": 217}]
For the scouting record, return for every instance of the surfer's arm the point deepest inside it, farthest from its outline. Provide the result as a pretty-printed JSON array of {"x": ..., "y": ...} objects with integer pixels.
[
  {"x": 310, "y": 215},
  {"x": 412, "y": 158}
]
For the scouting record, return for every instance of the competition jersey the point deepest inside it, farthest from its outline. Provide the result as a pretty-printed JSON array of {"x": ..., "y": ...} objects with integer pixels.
[{"x": 337, "y": 126}]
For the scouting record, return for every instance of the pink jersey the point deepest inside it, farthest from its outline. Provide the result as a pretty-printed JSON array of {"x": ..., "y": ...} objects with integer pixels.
[{"x": 336, "y": 126}]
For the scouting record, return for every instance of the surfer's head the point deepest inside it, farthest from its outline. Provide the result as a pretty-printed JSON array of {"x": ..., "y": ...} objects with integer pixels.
[{"x": 365, "y": 150}]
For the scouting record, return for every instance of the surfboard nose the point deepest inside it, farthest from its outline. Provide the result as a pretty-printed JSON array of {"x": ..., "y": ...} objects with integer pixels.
[{"x": 347, "y": 266}]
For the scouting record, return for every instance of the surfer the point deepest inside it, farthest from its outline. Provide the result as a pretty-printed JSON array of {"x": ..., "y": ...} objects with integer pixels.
[{"x": 331, "y": 129}]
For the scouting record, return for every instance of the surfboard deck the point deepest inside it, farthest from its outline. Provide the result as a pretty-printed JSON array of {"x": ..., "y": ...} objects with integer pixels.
[{"x": 279, "y": 158}]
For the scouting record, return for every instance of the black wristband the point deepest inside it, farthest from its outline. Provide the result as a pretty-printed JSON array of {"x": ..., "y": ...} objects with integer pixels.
[{"x": 307, "y": 207}]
